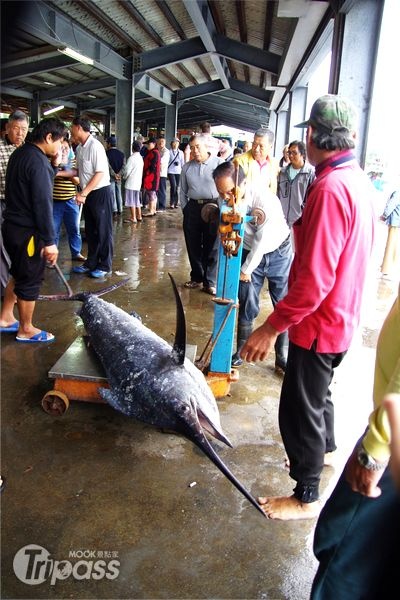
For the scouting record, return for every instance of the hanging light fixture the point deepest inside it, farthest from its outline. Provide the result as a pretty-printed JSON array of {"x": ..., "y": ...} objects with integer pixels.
[
  {"x": 76, "y": 55},
  {"x": 53, "y": 110}
]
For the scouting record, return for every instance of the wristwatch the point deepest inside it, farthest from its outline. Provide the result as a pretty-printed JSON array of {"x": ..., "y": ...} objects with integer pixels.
[{"x": 367, "y": 461}]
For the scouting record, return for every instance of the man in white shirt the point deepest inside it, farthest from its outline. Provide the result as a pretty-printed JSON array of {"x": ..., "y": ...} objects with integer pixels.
[
  {"x": 267, "y": 255},
  {"x": 97, "y": 199}
]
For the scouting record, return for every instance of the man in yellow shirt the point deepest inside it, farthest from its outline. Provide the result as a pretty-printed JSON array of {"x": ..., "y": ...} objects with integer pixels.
[{"x": 259, "y": 166}]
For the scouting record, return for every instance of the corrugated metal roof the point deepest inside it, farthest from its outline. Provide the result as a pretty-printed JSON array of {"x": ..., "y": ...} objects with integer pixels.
[{"x": 244, "y": 45}]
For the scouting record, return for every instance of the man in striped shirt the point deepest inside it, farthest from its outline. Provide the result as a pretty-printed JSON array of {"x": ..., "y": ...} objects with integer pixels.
[{"x": 65, "y": 208}]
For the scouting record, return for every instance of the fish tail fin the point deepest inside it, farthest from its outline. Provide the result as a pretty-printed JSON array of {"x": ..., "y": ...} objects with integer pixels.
[{"x": 81, "y": 296}]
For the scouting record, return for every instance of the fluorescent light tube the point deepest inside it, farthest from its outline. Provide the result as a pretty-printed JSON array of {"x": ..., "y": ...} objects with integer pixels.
[
  {"x": 53, "y": 110},
  {"x": 76, "y": 55}
]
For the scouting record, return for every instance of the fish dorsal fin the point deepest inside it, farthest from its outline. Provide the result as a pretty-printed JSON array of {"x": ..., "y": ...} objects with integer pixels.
[{"x": 179, "y": 348}]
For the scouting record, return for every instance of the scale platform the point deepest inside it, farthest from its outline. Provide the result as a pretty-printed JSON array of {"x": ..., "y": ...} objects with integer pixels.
[{"x": 78, "y": 374}]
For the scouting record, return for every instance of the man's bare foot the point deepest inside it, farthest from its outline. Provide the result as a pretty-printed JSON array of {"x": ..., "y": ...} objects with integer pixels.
[
  {"x": 288, "y": 508},
  {"x": 329, "y": 460}
]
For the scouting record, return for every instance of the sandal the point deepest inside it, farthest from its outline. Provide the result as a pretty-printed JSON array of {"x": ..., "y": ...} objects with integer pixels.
[{"x": 192, "y": 284}]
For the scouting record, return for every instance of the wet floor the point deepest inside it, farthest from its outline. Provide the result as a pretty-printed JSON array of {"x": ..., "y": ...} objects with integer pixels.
[{"x": 129, "y": 511}]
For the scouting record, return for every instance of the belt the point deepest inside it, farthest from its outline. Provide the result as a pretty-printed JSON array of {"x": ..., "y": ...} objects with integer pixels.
[
  {"x": 203, "y": 200},
  {"x": 285, "y": 242}
]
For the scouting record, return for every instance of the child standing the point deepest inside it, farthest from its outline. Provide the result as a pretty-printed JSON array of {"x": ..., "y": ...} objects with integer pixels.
[{"x": 132, "y": 174}]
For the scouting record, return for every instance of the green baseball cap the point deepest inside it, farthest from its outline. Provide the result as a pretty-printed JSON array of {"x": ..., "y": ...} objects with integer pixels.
[{"x": 333, "y": 114}]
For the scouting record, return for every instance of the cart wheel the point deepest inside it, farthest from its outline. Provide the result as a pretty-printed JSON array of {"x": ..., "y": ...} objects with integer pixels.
[{"x": 55, "y": 403}]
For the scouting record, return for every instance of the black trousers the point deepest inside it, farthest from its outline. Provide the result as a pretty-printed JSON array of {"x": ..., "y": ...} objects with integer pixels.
[
  {"x": 201, "y": 244},
  {"x": 306, "y": 416},
  {"x": 357, "y": 543},
  {"x": 98, "y": 213},
  {"x": 27, "y": 267},
  {"x": 174, "y": 179}
]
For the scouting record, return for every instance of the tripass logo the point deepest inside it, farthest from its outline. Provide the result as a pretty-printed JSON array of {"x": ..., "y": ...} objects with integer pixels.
[{"x": 34, "y": 565}]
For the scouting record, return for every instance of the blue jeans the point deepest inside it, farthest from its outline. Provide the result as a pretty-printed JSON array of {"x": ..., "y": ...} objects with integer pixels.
[
  {"x": 162, "y": 194},
  {"x": 117, "y": 196},
  {"x": 68, "y": 213},
  {"x": 174, "y": 185},
  {"x": 274, "y": 267}
]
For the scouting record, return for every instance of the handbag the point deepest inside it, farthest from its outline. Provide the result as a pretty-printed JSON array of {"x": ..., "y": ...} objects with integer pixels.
[{"x": 174, "y": 161}]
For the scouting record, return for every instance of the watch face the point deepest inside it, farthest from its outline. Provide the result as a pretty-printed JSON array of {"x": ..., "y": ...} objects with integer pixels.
[{"x": 364, "y": 459}]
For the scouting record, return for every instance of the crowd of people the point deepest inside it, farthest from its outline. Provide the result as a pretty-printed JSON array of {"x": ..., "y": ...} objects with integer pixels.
[{"x": 312, "y": 246}]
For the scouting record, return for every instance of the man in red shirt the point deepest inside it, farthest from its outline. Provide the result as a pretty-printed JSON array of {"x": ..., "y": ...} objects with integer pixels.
[{"x": 321, "y": 310}]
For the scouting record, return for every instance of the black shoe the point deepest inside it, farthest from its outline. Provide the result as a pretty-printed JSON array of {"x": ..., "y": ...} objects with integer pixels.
[{"x": 236, "y": 360}]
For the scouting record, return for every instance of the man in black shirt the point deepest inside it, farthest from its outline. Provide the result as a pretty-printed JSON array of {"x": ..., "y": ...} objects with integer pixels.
[{"x": 28, "y": 228}]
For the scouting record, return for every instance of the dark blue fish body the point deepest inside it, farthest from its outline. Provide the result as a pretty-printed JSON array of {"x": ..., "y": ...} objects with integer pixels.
[
  {"x": 143, "y": 375},
  {"x": 153, "y": 382}
]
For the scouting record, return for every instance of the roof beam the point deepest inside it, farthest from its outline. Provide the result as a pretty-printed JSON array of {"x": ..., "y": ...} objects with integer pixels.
[
  {"x": 52, "y": 27},
  {"x": 100, "y": 16},
  {"x": 210, "y": 87},
  {"x": 152, "y": 88},
  {"x": 248, "y": 55},
  {"x": 141, "y": 21},
  {"x": 26, "y": 69},
  {"x": 79, "y": 88},
  {"x": 250, "y": 90},
  {"x": 168, "y": 55},
  {"x": 202, "y": 19},
  {"x": 244, "y": 98},
  {"x": 7, "y": 91}
]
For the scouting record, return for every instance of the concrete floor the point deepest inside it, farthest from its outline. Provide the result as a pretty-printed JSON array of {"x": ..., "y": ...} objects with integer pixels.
[{"x": 96, "y": 481}]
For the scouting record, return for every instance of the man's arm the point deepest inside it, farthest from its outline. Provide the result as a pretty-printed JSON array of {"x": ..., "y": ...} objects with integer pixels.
[
  {"x": 392, "y": 406},
  {"x": 369, "y": 459},
  {"x": 184, "y": 199},
  {"x": 260, "y": 343},
  {"x": 81, "y": 196}
]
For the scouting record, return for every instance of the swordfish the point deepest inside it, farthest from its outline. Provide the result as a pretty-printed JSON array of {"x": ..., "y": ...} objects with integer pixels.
[{"x": 153, "y": 382}]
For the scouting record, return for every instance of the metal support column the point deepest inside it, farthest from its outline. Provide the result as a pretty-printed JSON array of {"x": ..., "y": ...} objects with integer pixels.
[
  {"x": 107, "y": 125},
  {"x": 297, "y": 111},
  {"x": 358, "y": 61},
  {"x": 171, "y": 119},
  {"x": 281, "y": 133},
  {"x": 35, "y": 111},
  {"x": 124, "y": 111}
]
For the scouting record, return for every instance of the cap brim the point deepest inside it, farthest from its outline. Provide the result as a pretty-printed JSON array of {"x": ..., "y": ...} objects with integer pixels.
[{"x": 303, "y": 124}]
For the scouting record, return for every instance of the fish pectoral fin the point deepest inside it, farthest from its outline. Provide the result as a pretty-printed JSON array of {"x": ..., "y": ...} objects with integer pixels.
[{"x": 114, "y": 399}]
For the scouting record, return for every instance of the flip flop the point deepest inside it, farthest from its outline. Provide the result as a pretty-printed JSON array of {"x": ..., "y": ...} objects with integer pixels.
[
  {"x": 10, "y": 328},
  {"x": 42, "y": 336}
]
